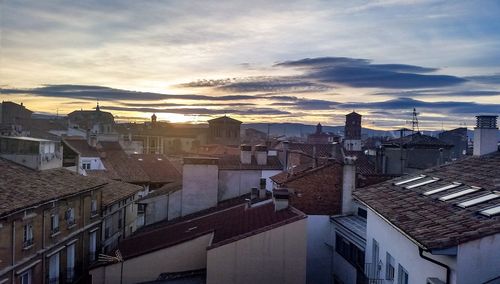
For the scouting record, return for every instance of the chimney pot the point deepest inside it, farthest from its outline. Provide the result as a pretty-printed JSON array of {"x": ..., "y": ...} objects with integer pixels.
[
  {"x": 246, "y": 154},
  {"x": 485, "y": 135},
  {"x": 280, "y": 199}
]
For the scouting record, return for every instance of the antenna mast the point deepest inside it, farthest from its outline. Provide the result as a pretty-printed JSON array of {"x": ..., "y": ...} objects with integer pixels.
[{"x": 414, "y": 121}]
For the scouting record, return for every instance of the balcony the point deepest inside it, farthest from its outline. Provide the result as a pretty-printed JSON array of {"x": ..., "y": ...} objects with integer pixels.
[{"x": 372, "y": 274}]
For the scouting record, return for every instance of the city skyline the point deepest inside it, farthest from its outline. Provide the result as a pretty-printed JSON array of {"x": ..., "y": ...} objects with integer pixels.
[{"x": 304, "y": 62}]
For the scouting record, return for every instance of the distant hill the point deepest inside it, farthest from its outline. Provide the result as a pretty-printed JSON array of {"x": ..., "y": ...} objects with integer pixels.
[{"x": 301, "y": 130}]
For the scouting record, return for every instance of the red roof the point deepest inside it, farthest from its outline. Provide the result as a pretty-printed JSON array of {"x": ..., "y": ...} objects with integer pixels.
[{"x": 227, "y": 225}]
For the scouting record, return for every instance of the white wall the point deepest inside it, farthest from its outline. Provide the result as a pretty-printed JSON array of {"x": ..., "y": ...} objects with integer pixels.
[
  {"x": 479, "y": 260},
  {"x": 273, "y": 256},
  {"x": 199, "y": 187},
  {"x": 234, "y": 183},
  {"x": 95, "y": 163},
  {"x": 267, "y": 174},
  {"x": 404, "y": 251},
  {"x": 319, "y": 249},
  {"x": 174, "y": 204},
  {"x": 190, "y": 255}
]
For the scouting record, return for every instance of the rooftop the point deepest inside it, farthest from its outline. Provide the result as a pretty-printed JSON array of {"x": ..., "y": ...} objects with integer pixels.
[
  {"x": 23, "y": 138},
  {"x": 227, "y": 225},
  {"x": 115, "y": 191},
  {"x": 417, "y": 140},
  {"x": 444, "y": 206},
  {"x": 353, "y": 223},
  {"x": 232, "y": 162},
  {"x": 224, "y": 119},
  {"x": 21, "y": 187}
]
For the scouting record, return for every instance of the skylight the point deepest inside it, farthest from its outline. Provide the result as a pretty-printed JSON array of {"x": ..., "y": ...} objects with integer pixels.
[
  {"x": 491, "y": 211},
  {"x": 422, "y": 183},
  {"x": 478, "y": 200},
  {"x": 442, "y": 188},
  {"x": 409, "y": 180},
  {"x": 459, "y": 193}
]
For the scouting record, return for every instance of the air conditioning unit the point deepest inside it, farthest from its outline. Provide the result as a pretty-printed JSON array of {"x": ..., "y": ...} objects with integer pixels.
[{"x": 434, "y": 280}]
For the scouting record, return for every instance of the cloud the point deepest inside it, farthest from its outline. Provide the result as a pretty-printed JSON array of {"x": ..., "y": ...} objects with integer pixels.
[
  {"x": 486, "y": 79},
  {"x": 88, "y": 92},
  {"x": 259, "y": 84},
  {"x": 439, "y": 93},
  {"x": 184, "y": 105},
  {"x": 305, "y": 104},
  {"x": 361, "y": 73},
  {"x": 446, "y": 107},
  {"x": 199, "y": 111},
  {"x": 321, "y": 74}
]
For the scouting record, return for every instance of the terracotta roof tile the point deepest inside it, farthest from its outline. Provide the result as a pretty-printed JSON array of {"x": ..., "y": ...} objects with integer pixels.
[
  {"x": 227, "y": 225},
  {"x": 434, "y": 223},
  {"x": 115, "y": 191},
  {"x": 21, "y": 187},
  {"x": 229, "y": 162}
]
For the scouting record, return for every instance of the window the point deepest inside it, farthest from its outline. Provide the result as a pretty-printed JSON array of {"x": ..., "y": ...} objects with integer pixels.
[
  {"x": 93, "y": 207},
  {"x": 350, "y": 252},
  {"x": 375, "y": 258},
  {"x": 86, "y": 165},
  {"x": 389, "y": 267},
  {"x": 54, "y": 269},
  {"x": 70, "y": 217},
  {"x": 362, "y": 212},
  {"x": 26, "y": 277},
  {"x": 92, "y": 246},
  {"x": 402, "y": 275},
  {"x": 70, "y": 263},
  {"x": 28, "y": 235},
  {"x": 54, "y": 223}
]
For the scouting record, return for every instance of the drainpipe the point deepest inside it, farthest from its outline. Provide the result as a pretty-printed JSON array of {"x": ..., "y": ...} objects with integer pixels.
[{"x": 421, "y": 253}]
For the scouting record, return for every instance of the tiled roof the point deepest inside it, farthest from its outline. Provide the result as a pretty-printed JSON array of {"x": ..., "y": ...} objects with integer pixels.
[
  {"x": 431, "y": 222},
  {"x": 81, "y": 146},
  {"x": 21, "y": 187},
  {"x": 227, "y": 225},
  {"x": 363, "y": 164},
  {"x": 296, "y": 171},
  {"x": 322, "y": 150},
  {"x": 167, "y": 188},
  {"x": 231, "y": 162},
  {"x": 157, "y": 167},
  {"x": 216, "y": 150},
  {"x": 417, "y": 140},
  {"x": 115, "y": 191},
  {"x": 120, "y": 164},
  {"x": 224, "y": 118}
]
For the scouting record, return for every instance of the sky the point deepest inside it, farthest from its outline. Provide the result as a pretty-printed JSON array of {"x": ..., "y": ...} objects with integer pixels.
[{"x": 257, "y": 61}]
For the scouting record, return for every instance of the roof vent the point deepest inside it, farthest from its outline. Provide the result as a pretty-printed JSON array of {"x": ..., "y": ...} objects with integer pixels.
[
  {"x": 409, "y": 180},
  {"x": 459, "y": 193}
]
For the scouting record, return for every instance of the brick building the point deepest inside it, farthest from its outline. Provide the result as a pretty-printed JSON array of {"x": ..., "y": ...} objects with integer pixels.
[{"x": 49, "y": 224}]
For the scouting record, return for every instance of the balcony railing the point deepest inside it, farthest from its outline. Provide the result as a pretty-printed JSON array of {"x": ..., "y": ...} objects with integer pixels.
[{"x": 373, "y": 274}]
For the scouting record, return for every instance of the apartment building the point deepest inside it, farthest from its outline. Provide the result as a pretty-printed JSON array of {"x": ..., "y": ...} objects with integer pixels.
[
  {"x": 440, "y": 225},
  {"x": 49, "y": 224}
]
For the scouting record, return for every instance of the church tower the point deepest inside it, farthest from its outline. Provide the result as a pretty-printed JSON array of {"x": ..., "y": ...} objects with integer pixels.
[{"x": 352, "y": 132}]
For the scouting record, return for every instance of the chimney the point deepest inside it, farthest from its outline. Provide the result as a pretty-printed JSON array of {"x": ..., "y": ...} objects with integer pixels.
[
  {"x": 91, "y": 139},
  {"x": 254, "y": 193},
  {"x": 280, "y": 199},
  {"x": 261, "y": 154},
  {"x": 262, "y": 189},
  {"x": 246, "y": 154},
  {"x": 285, "y": 151},
  {"x": 200, "y": 184},
  {"x": 485, "y": 135},
  {"x": 348, "y": 184}
]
